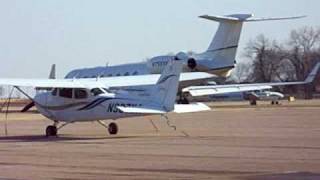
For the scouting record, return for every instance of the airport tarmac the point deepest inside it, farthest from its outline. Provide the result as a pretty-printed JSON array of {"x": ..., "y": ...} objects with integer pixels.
[{"x": 228, "y": 142}]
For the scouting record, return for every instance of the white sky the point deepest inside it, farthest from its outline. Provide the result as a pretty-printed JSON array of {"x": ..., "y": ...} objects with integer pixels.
[{"x": 37, "y": 33}]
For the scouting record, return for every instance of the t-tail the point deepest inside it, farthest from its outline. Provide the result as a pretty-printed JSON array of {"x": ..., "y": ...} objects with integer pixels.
[{"x": 221, "y": 53}]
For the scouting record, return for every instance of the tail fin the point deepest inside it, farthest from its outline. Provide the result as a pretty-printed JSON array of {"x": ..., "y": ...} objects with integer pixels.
[
  {"x": 52, "y": 74},
  {"x": 167, "y": 85},
  {"x": 223, "y": 47},
  {"x": 312, "y": 75}
]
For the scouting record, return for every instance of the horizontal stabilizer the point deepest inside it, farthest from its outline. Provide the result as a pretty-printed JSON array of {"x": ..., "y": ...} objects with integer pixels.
[
  {"x": 188, "y": 108},
  {"x": 142, "y": 110},
  {"x": 245, "y": 18},
  {"x": 178, "y": 108}
]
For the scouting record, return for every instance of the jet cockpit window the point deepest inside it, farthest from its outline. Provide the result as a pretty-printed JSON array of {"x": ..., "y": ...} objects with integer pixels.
[
  {"x": 80, "y": 93},
  {"x": 65, "y": 92}
]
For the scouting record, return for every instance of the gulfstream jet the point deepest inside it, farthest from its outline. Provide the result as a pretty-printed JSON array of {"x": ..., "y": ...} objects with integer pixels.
[
  {"x": 79, "y": 100},
  {"x": 218, "y": 58}
]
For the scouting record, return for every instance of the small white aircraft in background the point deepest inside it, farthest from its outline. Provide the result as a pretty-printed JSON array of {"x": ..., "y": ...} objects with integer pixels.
[
  {"x": 251, "y": 96},
  {"x": 218, "y": 59},
  {"x": 82, "y": 100},
  {"x": 234, "y": 88}
]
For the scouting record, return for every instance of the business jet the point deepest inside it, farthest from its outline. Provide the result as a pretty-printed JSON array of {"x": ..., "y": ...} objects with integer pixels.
[
  {"x": 80, "y": 100},
  {"x": 218, "y": 59}
]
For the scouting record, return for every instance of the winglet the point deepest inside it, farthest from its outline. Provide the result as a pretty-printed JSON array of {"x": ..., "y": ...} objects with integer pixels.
[{"x": 312, "y": 74}]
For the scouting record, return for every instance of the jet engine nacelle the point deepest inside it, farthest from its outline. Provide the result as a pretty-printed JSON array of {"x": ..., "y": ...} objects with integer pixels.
[
  {"x": 157, "y": 64},
  {"x": 191, "y": 63}
]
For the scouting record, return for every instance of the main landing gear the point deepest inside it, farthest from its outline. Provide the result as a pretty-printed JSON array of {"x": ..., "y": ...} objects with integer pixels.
[
  {"x": 112, "y": 127},
  {"x": 52, "y": 130}
]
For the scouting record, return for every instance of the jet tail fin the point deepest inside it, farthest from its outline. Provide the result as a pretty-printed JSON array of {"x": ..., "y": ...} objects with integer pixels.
[{"x": 223, "y": 47}]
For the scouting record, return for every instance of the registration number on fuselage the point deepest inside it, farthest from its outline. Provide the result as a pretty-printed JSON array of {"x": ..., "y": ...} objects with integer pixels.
[{"x": 112, "y": 107}]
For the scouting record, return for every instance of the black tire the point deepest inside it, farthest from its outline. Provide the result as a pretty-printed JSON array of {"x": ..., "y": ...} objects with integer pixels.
[
  {"x": 51, "y": 131},
  {"x": 272, "y": 103},
  {"x": 113, "y": 128},
  {"x": 253, "y": 102}
]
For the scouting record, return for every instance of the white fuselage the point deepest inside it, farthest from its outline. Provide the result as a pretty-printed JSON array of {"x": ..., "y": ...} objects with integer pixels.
[
  {"x": 257, "y": 95},
  {"x": 91, "y": 108}
]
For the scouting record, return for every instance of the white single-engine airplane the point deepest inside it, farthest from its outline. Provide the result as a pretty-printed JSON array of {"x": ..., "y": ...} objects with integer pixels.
[
  {"x": 82, "y": 100},
  {"x": 252, "y": 96},
  {"x": 234, "y": 88}
]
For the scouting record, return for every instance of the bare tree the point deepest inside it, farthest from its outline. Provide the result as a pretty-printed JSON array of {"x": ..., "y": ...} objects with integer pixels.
[
  {"x": 304, "y": 46},
  {"x": 266, "y": 59}
]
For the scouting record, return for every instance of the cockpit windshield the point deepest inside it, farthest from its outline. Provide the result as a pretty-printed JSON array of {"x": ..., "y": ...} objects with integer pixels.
[{"x": 97, "y": 91}]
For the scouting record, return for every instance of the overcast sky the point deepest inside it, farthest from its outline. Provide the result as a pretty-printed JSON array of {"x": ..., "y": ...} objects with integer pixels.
[{"x": 72, "y": 33}]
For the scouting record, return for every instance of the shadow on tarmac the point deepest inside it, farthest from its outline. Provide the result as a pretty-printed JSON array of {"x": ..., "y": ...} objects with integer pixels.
[{"x": 43, "y": 138}]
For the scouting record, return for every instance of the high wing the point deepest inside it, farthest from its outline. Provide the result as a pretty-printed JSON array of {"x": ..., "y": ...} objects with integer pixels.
[
  {"x": 121, "y": 81},
  {"x": 230, "y": 88}
]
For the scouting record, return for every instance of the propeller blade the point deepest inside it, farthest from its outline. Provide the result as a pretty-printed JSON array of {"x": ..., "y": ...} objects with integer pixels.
[{"x": 27, "y": 107}]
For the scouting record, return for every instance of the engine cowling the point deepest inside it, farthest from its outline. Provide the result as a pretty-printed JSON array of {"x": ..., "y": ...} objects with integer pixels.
[{"x": 192, "y": 64}]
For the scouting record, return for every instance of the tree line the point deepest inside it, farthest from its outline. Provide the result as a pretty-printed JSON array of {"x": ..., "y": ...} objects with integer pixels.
[{"x": 268, "y": 60}]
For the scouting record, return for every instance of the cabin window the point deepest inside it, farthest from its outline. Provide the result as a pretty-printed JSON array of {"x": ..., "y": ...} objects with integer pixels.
[
  {"x": 80, "y": 93},
  {"x": 96, "y": 91},
  {"x": 54, "y": 92},
  {"x": 65, "y": 92}
]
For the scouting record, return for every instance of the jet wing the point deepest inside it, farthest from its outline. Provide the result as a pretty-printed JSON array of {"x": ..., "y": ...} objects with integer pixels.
[
  {"x": 230, "y": 88},
  {"x": 121, "y": 81}
]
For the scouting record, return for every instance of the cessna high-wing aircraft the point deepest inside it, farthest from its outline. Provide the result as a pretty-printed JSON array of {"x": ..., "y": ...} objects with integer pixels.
[
  {"x": 78, "y": 100},
  {"x": 218, "y": 59},
  {"x": 251, "y": 96},
  {"x": 234, "y": 88}
]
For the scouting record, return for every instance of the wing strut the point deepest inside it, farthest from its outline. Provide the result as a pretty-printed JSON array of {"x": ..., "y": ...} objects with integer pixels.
[{"x": 7, "y": 104}]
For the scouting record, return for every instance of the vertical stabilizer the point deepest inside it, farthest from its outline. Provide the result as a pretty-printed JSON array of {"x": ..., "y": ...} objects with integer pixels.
[
  {"x": 225, "y": 42},
  {"x": 52, "y": 74},
  {"x": 167, "y": 85}
]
